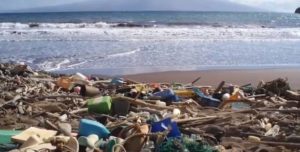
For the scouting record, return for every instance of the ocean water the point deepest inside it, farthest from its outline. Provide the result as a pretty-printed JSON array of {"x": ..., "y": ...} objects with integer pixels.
[{"x": 115, "y": 43}]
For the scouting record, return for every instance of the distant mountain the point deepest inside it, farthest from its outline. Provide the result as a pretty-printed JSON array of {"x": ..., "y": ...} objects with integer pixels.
[
  {"x": 297, "y": 10},
  {"x": 147, "y": 5}
]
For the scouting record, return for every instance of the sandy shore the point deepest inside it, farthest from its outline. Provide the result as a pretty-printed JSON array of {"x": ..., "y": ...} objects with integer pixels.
[{"x": 214, "y": 77}]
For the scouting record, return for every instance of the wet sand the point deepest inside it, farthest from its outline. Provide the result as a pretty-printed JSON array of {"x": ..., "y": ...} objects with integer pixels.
[{"x": 214, "y": 77}]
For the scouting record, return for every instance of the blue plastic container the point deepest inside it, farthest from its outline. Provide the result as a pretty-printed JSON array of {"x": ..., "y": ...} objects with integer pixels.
[
  {"x": 88, "y": 127},
  {"x": 167, "y": 95},
  {"x": 117, "y": 81},
  {"x": 163, "y": 125},
  {"x": 206, "y": 100}
]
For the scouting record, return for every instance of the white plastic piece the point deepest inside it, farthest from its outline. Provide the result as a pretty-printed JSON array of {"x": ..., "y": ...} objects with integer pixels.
[
  {"x": 176, "y": 112},
  {"x": 273, "y": 131},
  {"x": 226, "y": 96}
]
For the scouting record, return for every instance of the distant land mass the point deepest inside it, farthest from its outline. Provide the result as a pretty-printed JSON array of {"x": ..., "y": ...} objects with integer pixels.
[
  {"x": 146, "y": 5},
  {"x": 297, "y": 10}
]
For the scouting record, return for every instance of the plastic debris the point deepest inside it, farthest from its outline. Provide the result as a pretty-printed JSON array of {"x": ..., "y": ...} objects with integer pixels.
[
  {"x": 88, "y": 127},
  {"x": 45, "y": 111}
]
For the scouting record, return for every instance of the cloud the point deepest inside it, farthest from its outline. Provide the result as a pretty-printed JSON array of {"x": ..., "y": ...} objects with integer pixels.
[
  {"x": 22, "y": 4},
  {"x": 272, "y": 5},
  {"x": 132, "y": 5}
]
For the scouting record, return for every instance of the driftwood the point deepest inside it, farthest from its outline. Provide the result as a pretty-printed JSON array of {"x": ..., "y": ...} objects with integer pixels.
[
  {"x": 219, "y": 87},
  {"x": 196, "y": 80},
  {"x": 29, "y": 101},
  {"x": 286, "y": 144},
  {"x": 282, "y": 111},
  {"x": 58, "y": 96},
  {"x": 50, "y": 124},
  {"x": 79, "y": 111},
  {"x": 142, "y": 103},
  {"x": 292, "y": 95},
  {"x": 181, "y": 121},
  {"x": 152, "y": 111},
  {"x": 14, "y": 100}
]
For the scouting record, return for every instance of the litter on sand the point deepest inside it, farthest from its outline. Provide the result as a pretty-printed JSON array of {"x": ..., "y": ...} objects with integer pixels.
[{"x": 42, "y": 111}]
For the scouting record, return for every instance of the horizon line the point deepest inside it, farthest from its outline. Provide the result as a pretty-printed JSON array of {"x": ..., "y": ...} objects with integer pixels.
[{"x": 133, "y": 11}]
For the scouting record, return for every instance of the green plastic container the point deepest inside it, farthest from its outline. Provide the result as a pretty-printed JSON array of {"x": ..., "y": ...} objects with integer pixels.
[
  {"x": 101, "y": 105},
  {"x": 5, "y": 135}
]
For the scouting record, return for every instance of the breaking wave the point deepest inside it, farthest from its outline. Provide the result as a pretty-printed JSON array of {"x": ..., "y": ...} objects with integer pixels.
[
  {"x": 11, "y": 25},
  {"x": 16, "y": 25},
  {"x": 122, "y": 54}
]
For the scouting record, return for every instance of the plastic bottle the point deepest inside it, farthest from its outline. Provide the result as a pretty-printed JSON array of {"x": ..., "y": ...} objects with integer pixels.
[
  {"x": 88, "y": 127},
  {"x": 101, "y": 105}
]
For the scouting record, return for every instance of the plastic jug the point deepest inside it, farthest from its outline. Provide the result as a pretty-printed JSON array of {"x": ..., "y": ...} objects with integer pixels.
[
  {"x": 207, "y": 100},
  {"x": 167, "y": 95},
  {"x": 101, "y": 105},
  {"x": 5, "y": 135},
  {"x": 88, "y": 127},
  {"x": 165, "y": 124}
]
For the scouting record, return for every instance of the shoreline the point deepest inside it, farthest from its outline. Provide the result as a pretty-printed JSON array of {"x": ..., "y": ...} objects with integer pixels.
[
  {"x": 211, "y": 77},
  {"x": 113, "y": 71},
  {"x": 214, "y": 77}
]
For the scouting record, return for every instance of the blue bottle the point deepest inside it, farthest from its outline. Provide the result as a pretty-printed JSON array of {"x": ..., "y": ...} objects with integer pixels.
[{"x": 88, "y": 127}]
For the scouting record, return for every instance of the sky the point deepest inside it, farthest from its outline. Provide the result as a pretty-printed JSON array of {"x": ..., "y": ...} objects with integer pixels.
[
  {"x": 277, "y": 5},
  {"x": 26, "y": 4},
  {"x": 269, "y": 5}
]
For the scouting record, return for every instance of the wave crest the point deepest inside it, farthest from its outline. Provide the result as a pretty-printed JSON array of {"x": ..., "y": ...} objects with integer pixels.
[
  {"x": 10, "y": 25},
  {"x": 122, "y": 54}
]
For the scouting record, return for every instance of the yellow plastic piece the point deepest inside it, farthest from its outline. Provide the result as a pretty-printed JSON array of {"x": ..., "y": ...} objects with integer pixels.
[
  {"x": 235, "y": 95},
  {"x": 65, "y": 82},
  {"x": 185, "y": 93},
  {"x": 141, "y": 87}
]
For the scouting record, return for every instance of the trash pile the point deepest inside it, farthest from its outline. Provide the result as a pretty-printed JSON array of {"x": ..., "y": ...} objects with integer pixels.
[{"x": 41, "y": 111}]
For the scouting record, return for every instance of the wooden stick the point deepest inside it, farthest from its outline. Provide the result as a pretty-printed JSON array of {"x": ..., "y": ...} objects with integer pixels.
[
  {"x": 49, "y": 114},
  {"x": 61, "y": 96},
  {"x": 220, "y": 86},
  {"x": 150, "y": 111},
  {"x": 40, "y": 79},
  {"x": 286, "y": 144},
  {"x": 50, "y": 124},
  {"x": 293, "y": 95},
  {"x": 283, "y": 111},
  {"x": 79, "y": 111},
  {"x": 193, "y": 119},
  {"x": 257, "y": 95},
  {"x": 249, "y": 84},
  {"x": 196, "y": 80},
  {"x": 132, "y": 81},
  {"x": 200, "y": 122},
  {"x": 16, "y": 98},
  {"x": 143, "y": 103}
]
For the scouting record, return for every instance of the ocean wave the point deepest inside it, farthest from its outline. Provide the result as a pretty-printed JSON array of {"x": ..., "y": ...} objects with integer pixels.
[
  {"x": 53, "y": 65},
  {"x": 8, "y": 25},
  {"x": 151, "y": 34},
  {"x": 122, "y": 54},
  {"x": 12, "y": 25}
]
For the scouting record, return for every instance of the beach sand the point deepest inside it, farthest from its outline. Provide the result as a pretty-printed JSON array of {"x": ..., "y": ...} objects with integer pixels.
[{"x": 214, "y": 77}]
